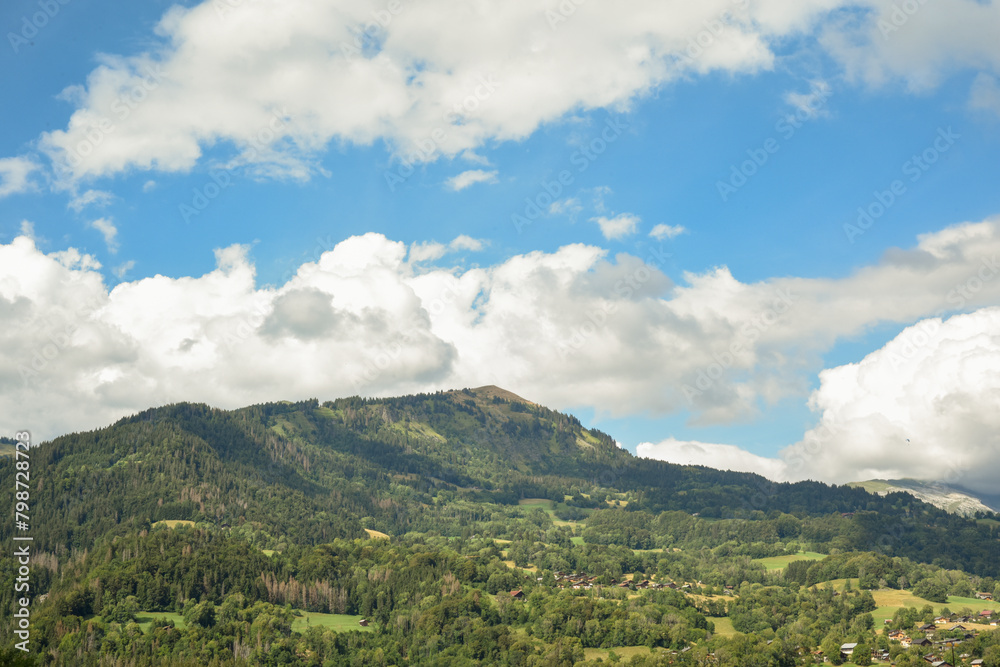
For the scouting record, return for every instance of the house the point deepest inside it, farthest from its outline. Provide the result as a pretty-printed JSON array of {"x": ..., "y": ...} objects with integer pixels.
[
  {"x": 923, "y": 641},
  {"x": 847, "y": 650},
  {"x": 942, "y": 663},
  {"x": 929, "y": 627},
  {"x": 363, "y": 622},
  {"x": 986, "y": 613},
  {"x": 984, "y": 596},
  {"x": 978, "y": 662},
  {"x": 517, "y": 595}
]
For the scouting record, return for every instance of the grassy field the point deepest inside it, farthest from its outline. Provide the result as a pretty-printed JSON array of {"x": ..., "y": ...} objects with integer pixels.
[
  {"x": 839, "y": 585},
  {"x": 550, "y": 508},
  {"x": 335, "y": 622},
  {"x": 376, "y": 535},
  {"x": 781, "y": 562},
  {"x": 577, "y": 539},
  {"x": 624, "y": 652},
  {"x": 306, "y": 620},
  {"x": 170, "y": 523},
  {"x": 145, "y": 619},
  {"x": 530, "y": 503},
  {"x": 723, "y": 626},
  {"x": 889, "y": 601}
]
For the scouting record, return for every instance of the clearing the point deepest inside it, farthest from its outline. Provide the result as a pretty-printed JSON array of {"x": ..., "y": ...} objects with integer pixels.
[{"x": 781, "y": 562}]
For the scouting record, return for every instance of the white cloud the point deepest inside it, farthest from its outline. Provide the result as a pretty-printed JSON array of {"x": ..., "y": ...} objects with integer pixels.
[
  {"x": 810, "y": 104},
  {"x": 720, "y": 457},
  {"x": 464, "y": 242},
  {"x": 597, "y": 325},
  {"x": 149, "y": 186},
  {"x": 15, "y": 173},
  {"x": 28, "y": 229},
  {"x": 122, "y": 269},
  {"x": 283, "y": 79},
  {"x": 429, "y": 251},
  {"x": 471, "y": 177},
  {"x": 433, "y": 81},
  {"x": 925, "y": 406},
  {"x": 985, "y": 94},
  {"x": 569, "y": 206},
  {"x": 619, "y": 226},
  {"x": 98, "y": 198},
  {"x": 920, "y": 47},
  {"x": 108, "y": 230},
  {"x": 662, "y": 232}
]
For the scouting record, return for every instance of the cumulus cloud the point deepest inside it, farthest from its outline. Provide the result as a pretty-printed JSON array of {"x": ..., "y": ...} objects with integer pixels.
[
  {"x": 108, "y": 230},
  {"x": 471, "y": 177},
  {"x": 921, "y": 43},
  {"x": 98, "y": 198},
  {"x": 15, "y": 175},
  {"x": 281, "y": 80},
  {"x": 721, "y": 457},
  {"x": 618, "y": 226},
  {"x": 278, "y": 81},
  {"x": 932, "y": 394},
  {"x": 371, "y": 316},
  {"x": 429, "y": 251},
  {"x": 663, "y": 232}
]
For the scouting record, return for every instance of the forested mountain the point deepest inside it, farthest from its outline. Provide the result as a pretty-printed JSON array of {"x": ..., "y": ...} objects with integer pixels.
[{"x": 236, "y": 519}]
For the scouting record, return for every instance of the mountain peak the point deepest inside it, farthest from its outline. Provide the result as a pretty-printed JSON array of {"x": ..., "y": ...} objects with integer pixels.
[{"x": 491, "y": 391}]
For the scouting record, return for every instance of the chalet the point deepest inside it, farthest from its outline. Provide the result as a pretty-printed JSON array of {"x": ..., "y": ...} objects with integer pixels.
[
  {"x": 941, "y": 663},
  {"x": 363, "y": 622},
  {"x": 986, "y": 613},
  {"x": 978, "y": 662},
  {"x": 847, "y": 650},
  {"x": 517, "y": 595},
  {"x": 930, "y": 627},
  {"x": 984, "y": 596},
  {"x": 624, "y": 584},
  {"x": 923, "y": 641}
]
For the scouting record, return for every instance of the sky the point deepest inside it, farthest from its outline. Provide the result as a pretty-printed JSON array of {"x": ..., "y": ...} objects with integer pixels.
[{"x": 756, "y": 235}]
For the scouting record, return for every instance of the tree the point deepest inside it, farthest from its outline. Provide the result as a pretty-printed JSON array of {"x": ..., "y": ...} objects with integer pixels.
[
  {"x": 931, "y": 589},
  {"x": 831, "y": 648},
  {"x": 862, "y": 655}
]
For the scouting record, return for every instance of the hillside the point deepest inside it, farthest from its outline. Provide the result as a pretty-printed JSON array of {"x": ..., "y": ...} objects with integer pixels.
[{"x": 419, "y": 514}]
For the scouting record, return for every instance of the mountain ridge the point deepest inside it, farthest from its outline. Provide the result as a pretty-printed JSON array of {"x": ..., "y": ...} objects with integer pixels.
[{"x": 949, "y": 498}]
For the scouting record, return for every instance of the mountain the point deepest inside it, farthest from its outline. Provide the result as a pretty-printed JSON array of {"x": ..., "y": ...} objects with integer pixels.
[
  {"x": 231, "y": 520},
  {"x": 948, "y": 498},
  {"x": 307, "y": 472}
]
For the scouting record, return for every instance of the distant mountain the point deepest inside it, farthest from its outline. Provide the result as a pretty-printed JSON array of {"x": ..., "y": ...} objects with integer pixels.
[{"x": 949, "y": 498}]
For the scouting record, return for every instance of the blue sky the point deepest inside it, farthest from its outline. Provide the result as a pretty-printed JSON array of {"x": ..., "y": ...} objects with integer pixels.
[{"x": 833, "y": 105}]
